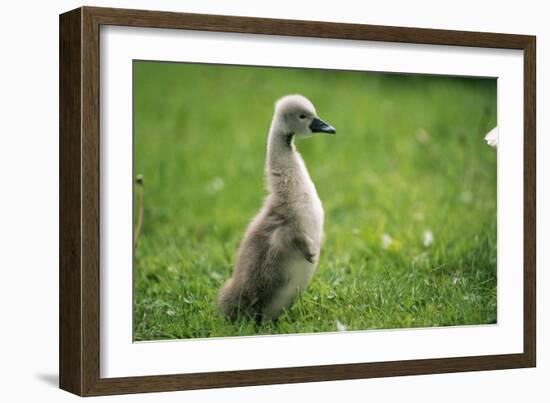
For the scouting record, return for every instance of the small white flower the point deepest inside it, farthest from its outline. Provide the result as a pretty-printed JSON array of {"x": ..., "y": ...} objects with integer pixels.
[
  {"x": 422, "y": 258},
  {"x": 422, "y": 136},
  {"x": 340, "y": 326},
  {"x": 466, "y": 197},
  {"x": 456, "y": 280},
  {"x": 492, "y": 137},
  {"x": 387, "y": 240},
  {"x": 428, "y": 238},
  {"x": 217, "y": 184},
  {"x": 418, "y": 216}
]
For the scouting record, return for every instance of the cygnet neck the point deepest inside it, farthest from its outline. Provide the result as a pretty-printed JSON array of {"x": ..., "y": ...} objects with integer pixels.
[{"x": 280, "y": 148}]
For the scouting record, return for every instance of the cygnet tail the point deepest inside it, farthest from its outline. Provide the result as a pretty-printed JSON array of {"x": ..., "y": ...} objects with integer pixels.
[{"x": 230, "y": 300}]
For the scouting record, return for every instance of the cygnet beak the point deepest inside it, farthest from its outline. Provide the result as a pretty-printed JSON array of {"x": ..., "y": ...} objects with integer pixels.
[{"x": 318, "y": 126}]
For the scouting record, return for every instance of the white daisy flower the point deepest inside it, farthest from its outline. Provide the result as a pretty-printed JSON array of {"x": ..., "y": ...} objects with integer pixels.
[
  {"x": 387, "y": 240},
  {"x": 340, "y": 326},
  {"x": 216, "y": 185},
  {"x": 422, "y": 136},
  {"x": 466, "y": 197},
  {"x": 428, "y": 238},
  {"x": 492, "y": 137},
  {"x": 419, "y": 216},
  {"x": 422, "y": 258}
]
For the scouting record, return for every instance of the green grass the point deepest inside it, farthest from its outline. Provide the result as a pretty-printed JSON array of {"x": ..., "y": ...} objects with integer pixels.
[{"x": 409, "y": 157}]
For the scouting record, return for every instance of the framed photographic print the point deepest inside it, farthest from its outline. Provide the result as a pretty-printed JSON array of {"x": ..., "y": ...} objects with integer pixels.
[{"x": 249, "y": 201}]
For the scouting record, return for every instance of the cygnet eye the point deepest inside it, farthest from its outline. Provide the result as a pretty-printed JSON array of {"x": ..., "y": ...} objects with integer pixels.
[{"x": 302, "y": 116}]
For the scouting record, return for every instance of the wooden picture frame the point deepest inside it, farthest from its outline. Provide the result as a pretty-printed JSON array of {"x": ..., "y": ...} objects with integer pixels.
[{"x": 79, "y": 346}]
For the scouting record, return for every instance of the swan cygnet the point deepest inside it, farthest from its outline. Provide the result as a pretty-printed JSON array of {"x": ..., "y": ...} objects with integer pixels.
[{"x": 280, "y": 249}]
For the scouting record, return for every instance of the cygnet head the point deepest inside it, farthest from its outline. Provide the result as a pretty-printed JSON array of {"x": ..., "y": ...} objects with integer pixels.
[{"x": 296, "y": 115}]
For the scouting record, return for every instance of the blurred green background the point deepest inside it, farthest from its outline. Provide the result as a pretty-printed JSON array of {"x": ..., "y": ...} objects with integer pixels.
[{"x": 408, "y": 187}]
